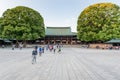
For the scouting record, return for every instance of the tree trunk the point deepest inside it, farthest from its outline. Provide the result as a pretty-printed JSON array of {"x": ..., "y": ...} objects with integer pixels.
[
  {"x": 17, "y": 44},
  {"x": 24, "y": 43}
]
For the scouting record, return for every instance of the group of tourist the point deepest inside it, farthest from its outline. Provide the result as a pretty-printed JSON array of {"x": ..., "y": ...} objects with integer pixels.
[
  {"x": 54, "y": 48},
  {"x": 20, "y": 46},
  {"x": 40, "y": 50}
]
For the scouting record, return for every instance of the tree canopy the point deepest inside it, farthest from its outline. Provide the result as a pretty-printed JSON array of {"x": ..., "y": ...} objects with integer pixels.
[
  {"x": 22, "y": 23},
  {"x": 0, "y": 27},
  {"x": 99, "y": 22}
]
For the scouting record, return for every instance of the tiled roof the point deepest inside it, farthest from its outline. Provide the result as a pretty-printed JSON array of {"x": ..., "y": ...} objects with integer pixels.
[
  {"x": 57, "y": 31},
  {"x": 114, "y": 41}
]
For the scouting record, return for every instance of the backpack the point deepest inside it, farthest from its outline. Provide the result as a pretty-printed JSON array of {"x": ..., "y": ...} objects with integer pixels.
[{"x": 34, "y": 52}]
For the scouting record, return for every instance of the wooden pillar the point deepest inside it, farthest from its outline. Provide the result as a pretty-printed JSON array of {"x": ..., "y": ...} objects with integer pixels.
[
  {"x": 75, "y": 41},
  {"x": 44, "y": 41},
  {"x": 54, "y": 40},
  {"x": 67, "y": 41},
  {"x": 48, "y": 41},
  {"x": 71, "y": 40},
  {"x": 61, "y": 40}
]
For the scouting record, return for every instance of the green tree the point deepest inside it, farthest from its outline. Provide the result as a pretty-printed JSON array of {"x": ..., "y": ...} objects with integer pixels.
[
  {"x": 22, "y": 23},
  {"x": 99, "y": 22},
  {"x": 0, "y": 28}
]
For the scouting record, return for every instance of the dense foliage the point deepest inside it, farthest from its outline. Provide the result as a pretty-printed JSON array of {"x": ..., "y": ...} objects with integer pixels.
[
  {"x": 0, "y": 27},
  {"x": 99, "y": 22},
  {"x": 22, "y": 23}
]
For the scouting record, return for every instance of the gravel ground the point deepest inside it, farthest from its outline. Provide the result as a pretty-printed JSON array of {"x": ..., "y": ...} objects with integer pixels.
[{"x": 70, "y": 64}]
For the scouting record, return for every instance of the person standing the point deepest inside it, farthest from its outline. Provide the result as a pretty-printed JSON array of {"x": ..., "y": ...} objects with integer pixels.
[
  {"x": 47, "y": 47},
  {"x": 3, "y": 46},
  {"x": 34, "y": 54},
  {"x": 13, "y": 46},
  {"x": 21, "y": 46}
]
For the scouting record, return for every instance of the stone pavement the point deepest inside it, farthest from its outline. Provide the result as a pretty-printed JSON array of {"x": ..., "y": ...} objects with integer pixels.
[{"x": 71, "y": 64}]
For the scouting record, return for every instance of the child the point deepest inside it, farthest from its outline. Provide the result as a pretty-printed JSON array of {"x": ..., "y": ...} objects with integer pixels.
[{"x": 40, "y": 51}]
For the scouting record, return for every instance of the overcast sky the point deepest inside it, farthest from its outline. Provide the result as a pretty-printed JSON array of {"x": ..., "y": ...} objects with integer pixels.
[{"x": 56, "y": 13}]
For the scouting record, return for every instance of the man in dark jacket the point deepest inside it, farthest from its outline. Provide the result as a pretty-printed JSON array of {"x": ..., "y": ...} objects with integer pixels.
[{"x": 34, "y": 54}]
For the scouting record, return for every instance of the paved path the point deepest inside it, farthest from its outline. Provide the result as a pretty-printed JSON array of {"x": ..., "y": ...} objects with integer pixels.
[{"x": 71, "y": 64}]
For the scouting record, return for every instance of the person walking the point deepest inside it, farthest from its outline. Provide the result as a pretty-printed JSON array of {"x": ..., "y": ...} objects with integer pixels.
[
  {"x": 54, "y": 48},
  {"x": 51, "y": 48},
  {"x": 59, "y": 49},
  {"x": 40, "y": 51},
  {"x": 34, "y": 54},
  {"x": 43, "y": 49}
]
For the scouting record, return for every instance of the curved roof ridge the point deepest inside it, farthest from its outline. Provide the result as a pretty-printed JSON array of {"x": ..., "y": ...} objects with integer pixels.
[
  {"x": 59, "y": 31},
  {"x": 59, "y": 27}
]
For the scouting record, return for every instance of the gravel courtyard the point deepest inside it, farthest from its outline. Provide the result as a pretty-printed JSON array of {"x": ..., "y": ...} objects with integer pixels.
[{"x": 71, "y": 64}]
